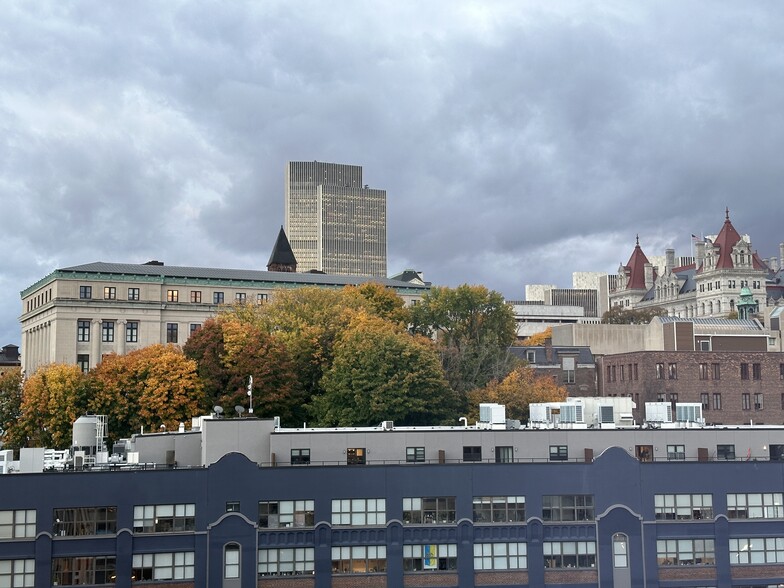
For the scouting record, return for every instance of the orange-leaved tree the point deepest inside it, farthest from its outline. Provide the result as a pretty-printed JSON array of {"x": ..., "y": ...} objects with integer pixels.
[
  {"x": 517, "y": 390},
  {"x": 151, "y": 387},
  {"x": 52, "y": 399}
]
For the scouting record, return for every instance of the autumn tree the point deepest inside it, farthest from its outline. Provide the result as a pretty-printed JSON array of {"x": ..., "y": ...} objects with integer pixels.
[
  {"x": 149, "y": 387},
  {"x": 380, "y": 372},
  {"x": 516, "y": 391},
  {"x": 384, "y": 302},
  {"x": 52, "y": 399},
  {"x": 227, "y": 351},
  {"x": 10, "y": 405},
  {"x": 474, "y": 328},
  {"x": 539, "y": 338},
  {"x": 620, "y": 315}
]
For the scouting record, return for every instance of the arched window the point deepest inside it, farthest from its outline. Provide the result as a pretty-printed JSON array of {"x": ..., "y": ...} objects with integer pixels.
[
  {"x": 620, "y": 551},
  {"x": 231, "y": 561}
]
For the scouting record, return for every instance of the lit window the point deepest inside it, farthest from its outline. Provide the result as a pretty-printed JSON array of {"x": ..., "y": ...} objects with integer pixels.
[
  {"x": 434, "y": 509},
  {"x": 355, "y": 456},
  {"x": 172, "y": 295},
  {"x": 110, "y": 293},
  {"x": 196, "y": 296},
  {"x": 359, "y": 559}
]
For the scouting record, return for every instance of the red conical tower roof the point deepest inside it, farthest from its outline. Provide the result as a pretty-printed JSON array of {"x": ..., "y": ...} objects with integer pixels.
[
  {"x": 635, "y": 268},
  {"x": 727, "y": 238}
]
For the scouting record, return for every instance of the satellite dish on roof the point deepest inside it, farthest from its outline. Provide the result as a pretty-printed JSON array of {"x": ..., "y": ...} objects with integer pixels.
[
  {"x": 217, "y": 410},
  {"x": 240, "y": 409}
]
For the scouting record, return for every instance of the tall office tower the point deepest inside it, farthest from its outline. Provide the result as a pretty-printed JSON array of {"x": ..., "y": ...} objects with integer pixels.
[{"x": 334, "y": 223}]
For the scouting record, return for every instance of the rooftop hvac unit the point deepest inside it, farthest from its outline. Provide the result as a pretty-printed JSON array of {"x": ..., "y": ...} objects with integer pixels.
[
  {"x": 658, "y": 412},
  {"x": 492, "y": 413},
  {"x": 606, "y": 415},
  {"x": 572, "y": 413},
  {"x": 387, "y": 425}
]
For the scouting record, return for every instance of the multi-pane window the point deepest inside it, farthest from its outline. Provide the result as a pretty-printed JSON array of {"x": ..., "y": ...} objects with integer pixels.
[
  {"x": 769, "y": 505},
  {"x": 500, "y": 556},
  {"x": 233, "y": 506},
  {"x": 716, "y": 369},
  {"x": 757, "y": 550},
  {"x": 195, "y": 296},
  {"x": 359, "y": 559},
  {"x": 433, "y": 509},
  {"x": 217, "y": 297},
  {"x": 148, "y": 567},
  {"x": 620, "y": 551},
  {"x": 746, "y": 401},
  {"x": 164, "y": 518},
  {"x": 172, "y": 332},
  {"x": 107, "y": 331},
  {"x": 504, "y": 454},
  {"x": 132, "y": 332},
  {"x": 758, "y": 401},
  {"x": 685, "y": 552},
  {"x": 110, "y": 293},
  {"x": 569, "y": 554},
  {"x": 659, "y": 371},
  {"x": 744, "y": 371},
  {"x": 292, "y": 561},
  {"x": 359, "y": 511},
  {"x": 83, "y": 331},
  {"x": 672, "y": 371},
  {"x": 17, "y": 524},
  {"x": 568, "y": 367},
  {"x": 418, "y": 558},
  {"x": 231, "y": 561},
  {"x": 83, "y": 361},
  {"x": 499, "y": 509},
  {"x": 133, "y": 293},
  {"x": 172, "y": 295},
  {"x": 17, "y": 573},
  {"x": 559, "y": 452},
  {"x": 676, "y": 452},
  {"x": 756, "y": 371},
  {"x": 261, "y": 298},
  {"x": 194, "y": 327},
  {"x": 415, "y": 454},
  {"x": 568, "y": 507},
  {"x": 725, "y": 452},
  {"x": 276, "y": 514},
  {"x": 73, "y": 571},
  {"x": 300, "y": 456},
  {"x": 705, "y": 400},
  {"x": 85, "y": 292},
  {"x": 240, "y": 297},
  {"x": 73, "y": 522},
  {"x": 717, "y": 401},
  {"x": 355, "y": 456},
  {"x": 472, "y": 453},
  {"x": 681, "y": 507},
  {"x": 703, "y": 371}
]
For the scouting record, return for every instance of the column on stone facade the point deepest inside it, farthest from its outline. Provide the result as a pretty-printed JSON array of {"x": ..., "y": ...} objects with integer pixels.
[
  {"x": 121, "y": 336},
  {"x": 95, "y": 343}
]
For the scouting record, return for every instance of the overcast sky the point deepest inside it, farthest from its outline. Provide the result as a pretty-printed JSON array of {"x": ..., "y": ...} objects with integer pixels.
[{"x": 517, "y": 141}]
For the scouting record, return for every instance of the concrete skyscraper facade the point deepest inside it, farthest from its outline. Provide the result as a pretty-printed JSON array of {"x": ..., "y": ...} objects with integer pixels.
[{"x": 334, "y": 222}]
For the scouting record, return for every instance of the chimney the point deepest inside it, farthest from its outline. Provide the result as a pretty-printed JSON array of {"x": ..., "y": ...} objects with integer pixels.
[
  {"x": 648, "y": 276},
  {"x": 669, "y": 263},
  {"x": 774, "y": 264},
  {"x": 699, "y": 253}
]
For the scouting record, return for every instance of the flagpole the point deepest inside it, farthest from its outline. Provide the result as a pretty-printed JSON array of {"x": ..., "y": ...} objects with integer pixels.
[{"x": 250, "y": 394}]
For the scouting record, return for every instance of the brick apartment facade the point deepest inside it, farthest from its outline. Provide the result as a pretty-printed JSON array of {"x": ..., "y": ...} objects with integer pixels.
[{"x": 734, "y": 387}]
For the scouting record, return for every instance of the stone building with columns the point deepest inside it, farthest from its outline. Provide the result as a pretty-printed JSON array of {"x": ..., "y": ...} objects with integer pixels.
[
  {"x": 76, "y": 315},
  {"x": 708, "y": 286}
]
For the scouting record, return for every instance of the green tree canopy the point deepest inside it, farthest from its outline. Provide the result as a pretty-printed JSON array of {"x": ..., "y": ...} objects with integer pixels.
[
  {"x": 10, "y": 405},
  {"x": 474, "y": 327},
  {"x": 382, "y": 373},
  {"x": 620, "y": 315}
]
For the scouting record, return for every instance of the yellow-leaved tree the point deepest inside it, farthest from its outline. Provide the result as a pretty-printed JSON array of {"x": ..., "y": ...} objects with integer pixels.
[
  {"x": 517, "y": 390},
  {"x": 52, "y": 399}
]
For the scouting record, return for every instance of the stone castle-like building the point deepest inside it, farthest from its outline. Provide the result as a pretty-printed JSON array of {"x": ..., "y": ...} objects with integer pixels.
[{"x": 726, "y": 276}]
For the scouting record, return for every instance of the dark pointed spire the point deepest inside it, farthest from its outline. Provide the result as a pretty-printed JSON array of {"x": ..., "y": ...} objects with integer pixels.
[{"x": 282, "y": 258}]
